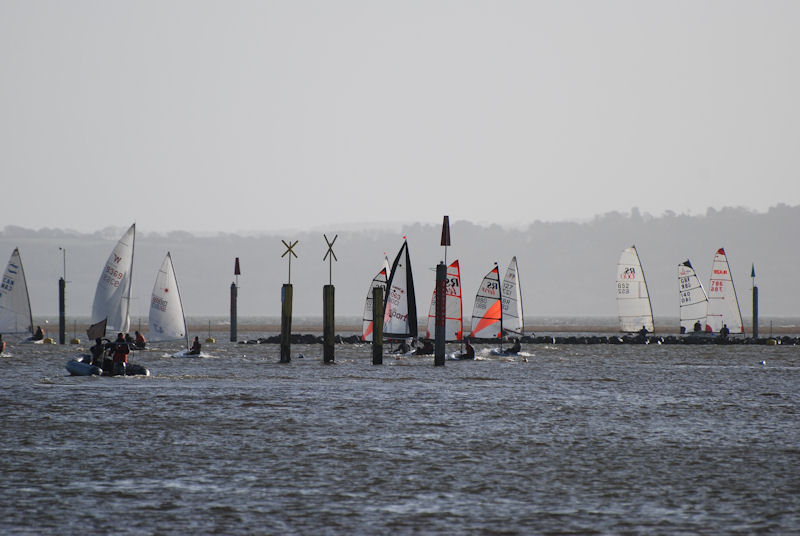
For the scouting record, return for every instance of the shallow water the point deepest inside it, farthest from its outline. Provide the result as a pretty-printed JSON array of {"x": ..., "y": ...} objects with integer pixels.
[{"x": 561, "y": 440}]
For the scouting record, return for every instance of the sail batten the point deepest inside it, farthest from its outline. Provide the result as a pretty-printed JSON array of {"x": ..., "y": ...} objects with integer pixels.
[
  {"x": 112, "y": 296},
  {"x": 453, "y": 306},
  {"x": 167, "y": 320},
  {"x": 15, "y": 303},
  {"x": 633, "y": 299},
  {"x": 723, "y": 305}
]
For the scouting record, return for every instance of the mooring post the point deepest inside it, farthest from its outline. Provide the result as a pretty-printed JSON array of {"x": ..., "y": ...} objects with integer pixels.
[
  {"x": 328, "y": 322},
  {"x": 377, "y": 326},
  {"x": 755, "y": 301},
  {"x": 62, "y": 311},
  {"x": 441, "y": 314},
  {"x": 234, "y": 298},
  {"x": 286, "y": 323}
]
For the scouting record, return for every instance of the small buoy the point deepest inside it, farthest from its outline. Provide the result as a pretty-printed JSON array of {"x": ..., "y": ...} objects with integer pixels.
[
  {"x": 300, "y": 356},
  {"x": 763, "y": 362},
  {"x": 75, "y": 340},
  {"x": 210, "y": 340}
]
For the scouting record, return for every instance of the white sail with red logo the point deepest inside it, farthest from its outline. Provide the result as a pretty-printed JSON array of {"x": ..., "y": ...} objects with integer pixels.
[
  {"x": 692, "y": 297},
  {"x": 378, "y": 281},
  {"x": 400, "y": 313},
  {"x": 167, "y": 320},
  {"x": 454, "y": 328},
  {"x": 487, "y": 312},
  {"x": 512, "y": 300},
  {"x": 723, "y": 306},
  {"x": 633, "y": 300},
  {"x": 113, "y": 294}
]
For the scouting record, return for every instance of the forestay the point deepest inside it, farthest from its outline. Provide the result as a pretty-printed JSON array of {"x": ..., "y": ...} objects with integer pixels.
[
  {"x": 633, "y": 300},
  {"x": 15, "y": 304},
  {"x": 723, "y": 306},
  {"x": 379, "y": 281},
  {"x": 692, "y": 297},
  {"x": 453, "y": 316},
  {"x": 513, "y": 322},
  {"x": 400, "y": 313},
  {"x": 113, "y": 293},
  {"x": 167, "y": 319},
  {"x": 487, "y": 311}
]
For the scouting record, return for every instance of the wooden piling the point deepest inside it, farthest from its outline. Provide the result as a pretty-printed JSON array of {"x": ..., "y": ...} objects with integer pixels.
[
  {"x": 328, "y": 322},
  {"x": 755, "y": 312},
  {"x": 234, "y": 298},
  {"x": 286, "y": 323},
  {"x": 441, "y": 314},
  {"x": 62, "y": 311},
  {"x": 377, "y": 326}
]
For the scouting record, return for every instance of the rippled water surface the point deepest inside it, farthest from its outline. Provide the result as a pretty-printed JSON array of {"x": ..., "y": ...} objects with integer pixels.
[{"x": 569, "y": 439}]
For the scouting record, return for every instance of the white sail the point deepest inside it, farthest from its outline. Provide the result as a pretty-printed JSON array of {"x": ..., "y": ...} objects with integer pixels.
[
  {"x": 693, "y": 298},
  {"x": 487, "y": 311},
  {"x": 15, "y": 304},
  {"x": 454, "y": 327},
  {"x": 512, "y": 300},
  {"x": 113, "y": 294},
  {"x": 167, "y": 320},
  {"x": 379, "y": 281},
  {"x": 400, "y": 313},
  {"x": 723, "y": 306},
  {"x": 633, "y": 300}
]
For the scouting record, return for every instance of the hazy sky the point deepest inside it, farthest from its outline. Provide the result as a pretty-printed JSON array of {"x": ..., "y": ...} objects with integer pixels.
[{"x": 259, "y": 115}]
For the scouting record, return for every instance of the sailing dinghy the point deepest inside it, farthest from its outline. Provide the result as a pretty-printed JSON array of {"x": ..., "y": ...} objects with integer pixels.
[
  {"x": 693, "y": 299},
  {"x": 400, "y": 312},
  {"x": 15, "y": 304},
  {"x": 512, "y": 301},
  {"x": 723, "y": 306},
  {"x": 633, "y": 300},
  {"x": 113, "y": 294},
  {"x": 487, "y": 311},
  {"x": 166, "y": 320},
  {"x": 454, "y": 328},
  {"x": 379, "y": 281}
]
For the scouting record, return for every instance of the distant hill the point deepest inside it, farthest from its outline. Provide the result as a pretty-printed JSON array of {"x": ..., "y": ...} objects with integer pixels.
[{"x": 566, "y": 268}]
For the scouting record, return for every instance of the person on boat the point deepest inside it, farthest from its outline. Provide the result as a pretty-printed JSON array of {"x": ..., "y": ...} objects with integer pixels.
[
  {"x": 427, "y": 348},
  {"x": 39, "y": 334},
  {"x": 403, "y": 347},
  {"x": 139, "y": 342},
  {"x": 643, "y": 332},
  {"x": 724, "y": 332},
  {"x": 515, "y": 348},
  {"x": 195, "y": 349},
  {"x": 97, "y": 352},
  {"x": 120, "y": 355},
  {"x": 698, "y": 327},
  {"x": 2, "y": 344},
  {"x": 129, "y": 339},
  {"x": 469, "y": 351}
]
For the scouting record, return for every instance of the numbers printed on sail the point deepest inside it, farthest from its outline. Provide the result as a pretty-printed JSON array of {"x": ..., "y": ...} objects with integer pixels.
[{"x": 623, "y": 288}]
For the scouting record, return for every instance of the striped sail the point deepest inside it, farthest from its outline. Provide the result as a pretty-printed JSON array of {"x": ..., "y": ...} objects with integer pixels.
[
  {"x": 692, "y": 297},
  {"x": 400, "y": 313},
  {"x": 15, "y": 304},
  {"x": 453, "y": 316},
  {"x": 377, "y": 281},
  {"x": 512, "y": 300},
  {"x": 167, "y": 320},
  {"x": 633, "y": 300},
  {"x": 113, "y": 293},
  {"x": 723, "y": 306},
  {"x": 487, "y": 312}
]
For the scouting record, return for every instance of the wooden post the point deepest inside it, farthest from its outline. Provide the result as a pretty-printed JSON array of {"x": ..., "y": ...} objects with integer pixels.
[
  {"x": 328, "y": 322},
  {"x": 441, "y": 314},
  {"x": 62, "y": 311},
  {"x": 377, "y": 326},
  {"x": 755, "y": 312},
  {"x": 286, "y": 323},
  {"x": 234, "y": 298}
]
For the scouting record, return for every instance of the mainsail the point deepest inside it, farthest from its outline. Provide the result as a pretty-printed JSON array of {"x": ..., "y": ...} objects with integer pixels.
[
  {"x": 167, "y": 321},
  {"x": 400, "y": 314},
  {"x": 453, "y": 316},
  {"x": 377, "y": 281},
  {"x": 512, "y": 300},
  {"x": 487, "y": 313},
  {"x": 723, "y": 307},
  {"x": 693, "y": 298},
  {"x": 113, "y": 294},
  {"x": 15, "y": 304},
  {"x": 633, "y": 301}
]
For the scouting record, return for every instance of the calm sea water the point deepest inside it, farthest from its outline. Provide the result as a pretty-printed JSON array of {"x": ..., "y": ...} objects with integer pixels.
[{"x": 562, "y": 440}]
